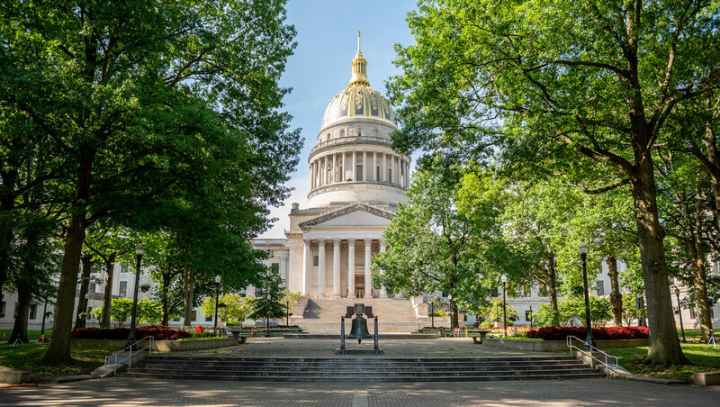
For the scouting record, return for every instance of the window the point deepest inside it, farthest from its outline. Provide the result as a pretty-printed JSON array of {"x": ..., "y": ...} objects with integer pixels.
[
  {"x": 342, "y": 133},
  {"x": 542, "y": 290},
  {"x": 33, "y": 311},
  {"x": 124, "y": 268},
  {"x": 692, "y": 312},
  {"x": 526, "y": 290},
  {"x": 208, "y": 318},
  {"x": 389, "y": 178},
  {"x": 359, "y": 133},
  {"x": 193, "y": 315},
  {"x": 316, "y": 261},
  {"x": 528, "y": 315},
  {"x": 123, "y": 288},
  {"x": 359, "y": 172},
  {"x": 377, "y": 173},
  {"x": 600, "y": 287},
  {"x": 275, "y": 267}
]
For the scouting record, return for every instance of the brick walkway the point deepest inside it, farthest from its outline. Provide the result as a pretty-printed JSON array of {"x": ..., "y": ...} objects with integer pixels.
[{"x": 134, "y": 392}]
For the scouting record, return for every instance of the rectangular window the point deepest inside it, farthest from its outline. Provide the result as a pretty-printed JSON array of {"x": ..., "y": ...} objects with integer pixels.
[
  {"x": 359, "y": 172},
  {"x": 377, "y": 173},
  {"x": 600, "y": 287},
  {"x": 275, "y": 267},
  {"x": 124, "y": 268},
  {"x": 123, "y": 288},
  {"x": 33, "y": 311},
  {"x": 543, "y": 291}
]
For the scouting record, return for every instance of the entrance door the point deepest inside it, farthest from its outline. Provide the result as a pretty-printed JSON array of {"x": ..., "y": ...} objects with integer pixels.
[{"x": 359, "y": 286}]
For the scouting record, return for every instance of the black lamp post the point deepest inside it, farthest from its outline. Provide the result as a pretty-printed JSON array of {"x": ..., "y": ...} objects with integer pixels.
[
  {"x": 586, "y": 290},
  {"x": 503, "y": 279},
  {"x": 139, "y": 253},
  {"x": 218, "y": 283},
  {"x": 432, "y": 312},
  {"x": 679, "y": 311},
  {"x": 531, "y": 317}
]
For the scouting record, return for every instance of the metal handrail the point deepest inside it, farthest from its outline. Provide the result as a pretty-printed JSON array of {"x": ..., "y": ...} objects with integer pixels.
[
  {"x": 125, "y": 355},
  {"x": 604, "y": 358}
]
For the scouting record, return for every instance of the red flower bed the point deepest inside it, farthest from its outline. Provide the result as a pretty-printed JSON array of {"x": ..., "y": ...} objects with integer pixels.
[
  {"x": 157, "y": 331},
  {"x": 615, "y": 332}
]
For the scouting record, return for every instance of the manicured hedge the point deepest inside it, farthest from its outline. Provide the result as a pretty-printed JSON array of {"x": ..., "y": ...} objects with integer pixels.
[
  {"x": 157, "y": 331},
  {"x": 615, "y": 332}
]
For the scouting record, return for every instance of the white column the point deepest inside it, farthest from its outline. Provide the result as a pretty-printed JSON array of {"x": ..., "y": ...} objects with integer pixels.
[
  {"x": 307, "y": 266},
  {"x": 336, "y": 268},
  {"x": 321, "y": 268},
  {"x": 368, "y": 277},
  {"x": 383, "y": 291},
  {"x": 351, "y": 268}
]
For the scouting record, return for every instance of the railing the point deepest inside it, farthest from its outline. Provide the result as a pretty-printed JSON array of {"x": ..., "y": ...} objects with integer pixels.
[
  {"x": 606, "y": 360},
  {"x": 129, "y": 353},
  {"x": 351, "y": 139}
]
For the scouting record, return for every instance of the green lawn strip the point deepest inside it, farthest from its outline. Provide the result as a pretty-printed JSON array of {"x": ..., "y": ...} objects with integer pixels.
[
  {"x": 88, "y": 354},
  {"x": 695, "y": 334},
  {"x": 32, "y": 334},
  {"x": 515, "y": 338},
  {"x": 703, "y": 358}
]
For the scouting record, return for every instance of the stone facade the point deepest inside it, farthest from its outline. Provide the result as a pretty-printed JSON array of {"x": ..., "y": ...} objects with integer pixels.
[{"x": 355, "y": 181}]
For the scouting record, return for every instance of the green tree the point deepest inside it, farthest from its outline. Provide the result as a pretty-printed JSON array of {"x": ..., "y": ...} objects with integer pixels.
[
  {"x": 121, "y": 310},
  {"x": 140, "y": 99},
  {"x": 430, "y": 243},
  {"x": 237, "y": 307},
  {"x": 574, "y": 307},
  {"x": 583, "y": 88},
  {"x": 493, "y": 312},
  {"x": 269, "y": 297}
]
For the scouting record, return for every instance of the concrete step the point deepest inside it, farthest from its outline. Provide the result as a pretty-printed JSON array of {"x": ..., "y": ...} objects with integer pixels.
[{"x": 363, "y": 369}]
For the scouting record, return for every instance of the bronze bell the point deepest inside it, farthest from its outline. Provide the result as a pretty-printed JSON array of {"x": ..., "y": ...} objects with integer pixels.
[{"x": 359, "y": 329}]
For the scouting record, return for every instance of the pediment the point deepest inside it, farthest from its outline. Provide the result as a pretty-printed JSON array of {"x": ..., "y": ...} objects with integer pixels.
[{"x": 352, "y": 215}]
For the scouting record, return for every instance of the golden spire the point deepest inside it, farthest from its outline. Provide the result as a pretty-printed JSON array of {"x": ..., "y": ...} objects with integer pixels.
[{"x": 359, "y": 66}]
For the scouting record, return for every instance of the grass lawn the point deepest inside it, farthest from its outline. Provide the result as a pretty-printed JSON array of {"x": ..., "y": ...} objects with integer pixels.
[
  {"x": 32, "y": 334},
  {"x": 88, "y": 354},
  {"x": 704, "y": 358}
]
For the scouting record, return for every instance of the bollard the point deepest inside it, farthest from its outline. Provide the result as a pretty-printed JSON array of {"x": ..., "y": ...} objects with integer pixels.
[
  {"x": 376, "y": 337},
  {"x": 342, "y": 334}
]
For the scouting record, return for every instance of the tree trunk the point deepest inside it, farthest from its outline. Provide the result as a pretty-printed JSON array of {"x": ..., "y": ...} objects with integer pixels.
[
  {"x": 552, "y": 290},
  {"x": 164, "y": 298},
  {"x": 20, "y": 326},
  {"x": 7, "y": 223},
  {"x": 188, "y": 292},
  {"x": 664, "y": 344},
  {"x": 699, "y": 268},
  {"x": 81, "y": 313},
  {"x": 615, "y": 295},
  {"x": 454, "y": 316},
  {"x": 107, "y": 297},
  {"x": 59, "y": 350}
]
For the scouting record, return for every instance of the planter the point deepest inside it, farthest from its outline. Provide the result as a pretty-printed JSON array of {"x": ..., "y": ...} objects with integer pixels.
[
  {"x": 560, "y": 345},
  {"x": 183, "y": 346},
  {"x": 13, "y": 376}
]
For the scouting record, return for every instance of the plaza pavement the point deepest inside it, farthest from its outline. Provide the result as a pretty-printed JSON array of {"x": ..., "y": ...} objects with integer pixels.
[{"x": 125, "y": 391}]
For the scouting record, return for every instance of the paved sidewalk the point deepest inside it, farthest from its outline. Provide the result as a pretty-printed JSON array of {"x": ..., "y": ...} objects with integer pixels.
[
  {"x": 392, "y": 348},
  {"x": 138, "y": 392}
]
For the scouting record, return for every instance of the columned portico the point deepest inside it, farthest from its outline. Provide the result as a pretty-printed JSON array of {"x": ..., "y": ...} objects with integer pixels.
[
  {"x": 368, "y": 277},
  {"x": 351, "y": 269},
  {"x": 333, "y": 275}
]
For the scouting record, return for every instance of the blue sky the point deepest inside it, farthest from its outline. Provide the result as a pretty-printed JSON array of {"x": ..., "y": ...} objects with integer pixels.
[{"x": 320, "y": 67}]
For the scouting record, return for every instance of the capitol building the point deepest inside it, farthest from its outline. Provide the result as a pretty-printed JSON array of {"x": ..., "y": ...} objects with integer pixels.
[{"x": 355, "y": 181}]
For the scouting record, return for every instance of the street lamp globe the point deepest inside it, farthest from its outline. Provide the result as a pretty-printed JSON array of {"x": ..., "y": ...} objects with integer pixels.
[
  {"x": 503, "y": 279},
  {"x": 218, "y": 279},
  {"x": 583, "y": 249},
  {"x": 140, "y": 251}
]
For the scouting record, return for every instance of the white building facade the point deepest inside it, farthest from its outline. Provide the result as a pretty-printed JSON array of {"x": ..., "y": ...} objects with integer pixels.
[{"x": 355, "y": 181}]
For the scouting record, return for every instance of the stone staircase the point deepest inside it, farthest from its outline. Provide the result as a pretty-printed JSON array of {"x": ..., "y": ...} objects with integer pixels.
[
  {"x": 394, "y": 315},
  {"x": 363, "y": 369}
]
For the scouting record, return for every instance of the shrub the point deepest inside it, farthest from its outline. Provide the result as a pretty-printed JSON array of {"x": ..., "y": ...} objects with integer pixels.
[
  {"x": 156, "y": 331},
  {"x": 199, "y": 329},
  {"x": 616, "y": 332}
]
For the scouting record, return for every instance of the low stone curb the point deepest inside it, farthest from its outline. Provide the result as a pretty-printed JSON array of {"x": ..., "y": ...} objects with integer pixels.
[{"x": 72, "y": 378}]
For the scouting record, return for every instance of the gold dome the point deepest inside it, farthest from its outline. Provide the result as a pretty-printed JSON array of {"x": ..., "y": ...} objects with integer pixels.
[{"x": 358, "y": 99}]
